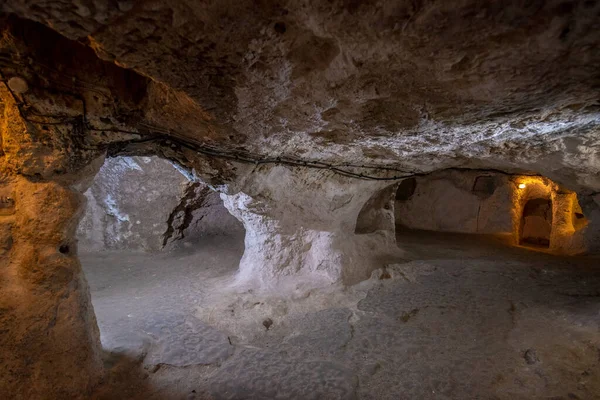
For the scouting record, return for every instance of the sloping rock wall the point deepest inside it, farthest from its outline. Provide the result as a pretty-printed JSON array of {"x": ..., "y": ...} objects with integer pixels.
[
  {"x": 146, "y": 203},
  {"x": 129, "y": 203}
]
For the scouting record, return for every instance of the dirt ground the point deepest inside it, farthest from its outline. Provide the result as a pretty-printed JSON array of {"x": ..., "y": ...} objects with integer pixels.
[{"x": 461, "y": 317}]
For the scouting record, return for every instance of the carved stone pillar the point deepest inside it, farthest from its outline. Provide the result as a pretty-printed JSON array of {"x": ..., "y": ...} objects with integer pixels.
[
  {"x": 49, "y": 339},
  {"x": 301, "y": 228}
]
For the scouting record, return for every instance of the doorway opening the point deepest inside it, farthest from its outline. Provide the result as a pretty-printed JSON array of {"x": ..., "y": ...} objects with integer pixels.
[
  {"x": 153, "y": 243},
  {"x": 536, "y": 223}
]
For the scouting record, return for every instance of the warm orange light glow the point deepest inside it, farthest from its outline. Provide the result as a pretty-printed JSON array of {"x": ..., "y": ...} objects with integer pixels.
[{"x": 522, "y": 186}]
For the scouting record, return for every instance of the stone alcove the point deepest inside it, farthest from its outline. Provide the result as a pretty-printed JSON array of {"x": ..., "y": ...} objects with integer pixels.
[
  {"x": 536, "y": 223},
  {"x": 547, "y": 215}
]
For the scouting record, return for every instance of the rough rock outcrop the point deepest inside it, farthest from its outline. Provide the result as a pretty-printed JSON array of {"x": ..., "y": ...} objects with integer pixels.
[
  {"x": 301, "y": 228},
  {"x": 49, "y": 341},
  {"x": 146, "y": 203},
  {"x": 129, "y": 203},
  {"x": 418, "y": 85},
  {"x": 199, "y": 213}
]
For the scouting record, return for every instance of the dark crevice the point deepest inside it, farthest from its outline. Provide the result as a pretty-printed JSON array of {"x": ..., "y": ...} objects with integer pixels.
[{"x": 181, "y": 216}]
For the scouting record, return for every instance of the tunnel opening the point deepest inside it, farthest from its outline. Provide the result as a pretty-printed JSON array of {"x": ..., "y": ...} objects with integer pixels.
[
  {"x": 377, "y": 214},
  {"x": 150, "y": 240},
  {"x": 536, "y": 224},
  {"x": 406, "y": 189}
]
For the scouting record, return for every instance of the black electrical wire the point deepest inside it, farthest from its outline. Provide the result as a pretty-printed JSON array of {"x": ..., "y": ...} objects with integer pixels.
[
  {"x": 167, "y": 135},
  {"x": 158, "y": 134},
  {"x": 249, "y": 159}
]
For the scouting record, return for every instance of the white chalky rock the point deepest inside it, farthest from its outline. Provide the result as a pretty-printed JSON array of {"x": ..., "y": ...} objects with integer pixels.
[{"x": 301, "y": 227}]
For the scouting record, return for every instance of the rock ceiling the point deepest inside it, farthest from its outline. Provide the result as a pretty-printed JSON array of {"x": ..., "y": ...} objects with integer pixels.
[{"x": 417, "y": 85}]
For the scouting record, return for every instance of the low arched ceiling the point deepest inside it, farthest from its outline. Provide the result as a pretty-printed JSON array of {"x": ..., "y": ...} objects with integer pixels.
[{"x": 419, "y": 85}]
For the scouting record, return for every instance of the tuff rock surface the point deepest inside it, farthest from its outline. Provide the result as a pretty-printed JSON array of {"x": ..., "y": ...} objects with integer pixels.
[
  {"x": 50, "y": 345},
  {"x": 146, "y": 203},
  {"x": 129, "y": 203},
  {"x": 418, "y": 85},
  {"x": 489, "y": 202},
  {"x": 301, "y": 228},
  {"x": 318, "y": 87}
]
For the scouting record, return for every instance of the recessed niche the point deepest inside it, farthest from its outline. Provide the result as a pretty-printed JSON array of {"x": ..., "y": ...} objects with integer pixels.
[
  {"x": 406, "y": 189},
  {"x": 484, "y": 186},
  {"x": 7, "y": 202}
]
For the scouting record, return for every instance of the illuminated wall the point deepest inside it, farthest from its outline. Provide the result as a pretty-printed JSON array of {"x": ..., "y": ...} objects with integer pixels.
[
  {"x": 470, "y": 201},
  {"x": 568, "y": 222}
]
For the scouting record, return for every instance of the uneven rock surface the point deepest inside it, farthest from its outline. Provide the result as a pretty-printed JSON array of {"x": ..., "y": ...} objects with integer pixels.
[
  {"x": 145, "y": 203},
  {"x": 129, "y": 203},
  {"x": 199, "y": 213},
  {"x": 289, "y": 109},
  {"x": 301, "y": 228},
  {"x": 49, "y": 341},
  {"x": 419, "y": 85},
  {"x": 460, "y": 319}
]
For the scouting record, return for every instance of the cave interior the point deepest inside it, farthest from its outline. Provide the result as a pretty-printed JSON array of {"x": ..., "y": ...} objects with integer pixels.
[{"x": 299, "y": 199}]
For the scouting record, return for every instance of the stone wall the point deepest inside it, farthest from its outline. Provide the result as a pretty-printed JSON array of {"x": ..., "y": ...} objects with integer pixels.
[
  {"x": 146, "y": 203},
  {"x": 456, "y": 201},
  {"x": 199, "y": 213},
  {"x": 471, "y": 201},
  {"x": 590, "y": 206}
]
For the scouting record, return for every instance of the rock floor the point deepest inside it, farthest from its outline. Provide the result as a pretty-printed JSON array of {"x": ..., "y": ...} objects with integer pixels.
[{"x": 462, "y": 317}]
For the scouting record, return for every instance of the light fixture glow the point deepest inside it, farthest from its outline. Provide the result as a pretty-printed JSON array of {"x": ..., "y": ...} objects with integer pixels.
[{"x": 522, "y": 186}]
